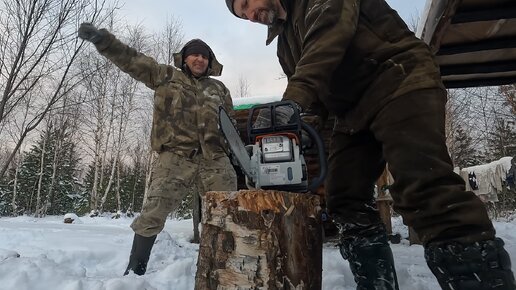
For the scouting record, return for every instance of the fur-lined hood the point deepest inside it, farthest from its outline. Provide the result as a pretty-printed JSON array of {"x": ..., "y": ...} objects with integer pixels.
[{"x": 214, "y": 67}]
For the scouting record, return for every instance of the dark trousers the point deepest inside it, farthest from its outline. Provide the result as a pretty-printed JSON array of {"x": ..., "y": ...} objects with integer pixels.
[{"x": 407, "y": 133}]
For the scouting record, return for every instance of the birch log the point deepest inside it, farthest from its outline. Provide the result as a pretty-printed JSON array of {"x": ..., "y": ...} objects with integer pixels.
[{"x": 254, "y": 239}]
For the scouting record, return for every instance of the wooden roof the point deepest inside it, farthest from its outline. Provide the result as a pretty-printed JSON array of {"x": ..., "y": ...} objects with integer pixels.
[{"x": 474, "y": 41}]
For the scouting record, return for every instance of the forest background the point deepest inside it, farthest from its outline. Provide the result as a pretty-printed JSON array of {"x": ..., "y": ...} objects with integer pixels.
[{"x": 74, "y": 129}]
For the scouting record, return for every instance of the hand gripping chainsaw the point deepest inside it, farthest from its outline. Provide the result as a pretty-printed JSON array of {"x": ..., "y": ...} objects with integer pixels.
[{"x": 273, "y": 158}]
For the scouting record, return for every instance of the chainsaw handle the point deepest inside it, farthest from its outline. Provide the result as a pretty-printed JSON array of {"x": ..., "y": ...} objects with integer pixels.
[
  {"x": 323, "y": 165},
  {"x": 294, "y": 127}
]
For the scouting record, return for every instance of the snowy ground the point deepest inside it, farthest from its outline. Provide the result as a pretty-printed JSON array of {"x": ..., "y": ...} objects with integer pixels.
[{"x": 92, "y": 254}]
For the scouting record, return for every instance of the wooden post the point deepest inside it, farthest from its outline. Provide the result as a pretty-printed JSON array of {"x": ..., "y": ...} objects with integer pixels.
[
  {"x": 413, "y": 238},
  {"x": 384, "y": 200},
  {"x": 196, "y": 216},
  {"x": 255, "y": 239},
  {"x": 384, "y": 207}
]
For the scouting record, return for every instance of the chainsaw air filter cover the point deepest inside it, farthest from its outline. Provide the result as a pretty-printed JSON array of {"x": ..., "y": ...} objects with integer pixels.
[{"x": 277, "y": 149}]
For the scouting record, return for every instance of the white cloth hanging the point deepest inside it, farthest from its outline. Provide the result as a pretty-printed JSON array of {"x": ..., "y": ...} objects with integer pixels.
[{"x": 489, "y": 178}]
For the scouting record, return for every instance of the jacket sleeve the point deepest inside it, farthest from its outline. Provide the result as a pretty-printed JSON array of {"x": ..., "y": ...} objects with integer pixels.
[
  {"x": 139, "y": 66},
  {"x": 330, "y": 26}
]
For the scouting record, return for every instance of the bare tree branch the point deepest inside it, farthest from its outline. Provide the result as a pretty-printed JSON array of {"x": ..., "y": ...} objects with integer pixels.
[{"x": 38, "y": 49}]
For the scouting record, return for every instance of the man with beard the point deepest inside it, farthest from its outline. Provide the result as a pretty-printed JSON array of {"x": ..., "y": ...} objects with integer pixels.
[
  {"x": 192, "y": 154},
  {"x": 358, "y": 60}
]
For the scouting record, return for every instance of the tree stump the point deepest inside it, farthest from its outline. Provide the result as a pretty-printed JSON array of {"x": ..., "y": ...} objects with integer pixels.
[{"x": 255, "y": 239}]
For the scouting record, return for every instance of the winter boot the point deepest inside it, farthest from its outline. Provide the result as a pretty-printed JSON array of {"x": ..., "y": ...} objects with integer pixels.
[
  {"x": 140, "y": 253},
  {"x": 478, "y": 266},
  {"x": 370, "y": 259}
]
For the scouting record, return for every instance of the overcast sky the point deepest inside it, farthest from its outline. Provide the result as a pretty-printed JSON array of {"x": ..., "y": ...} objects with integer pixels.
[{"x": 239, "y": 45}]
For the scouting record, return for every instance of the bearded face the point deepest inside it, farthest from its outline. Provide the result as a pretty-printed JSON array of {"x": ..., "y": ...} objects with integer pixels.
[{"x": 260, "y": 11}]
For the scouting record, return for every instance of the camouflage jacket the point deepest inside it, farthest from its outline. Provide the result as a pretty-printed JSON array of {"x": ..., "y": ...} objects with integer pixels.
[
  {"x": 351, "y": 55},
  {"x": 185, "y": 116}
]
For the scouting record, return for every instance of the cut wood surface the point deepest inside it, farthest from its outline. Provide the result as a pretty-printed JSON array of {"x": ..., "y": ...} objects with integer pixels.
[{"x": 255, "y": 239}]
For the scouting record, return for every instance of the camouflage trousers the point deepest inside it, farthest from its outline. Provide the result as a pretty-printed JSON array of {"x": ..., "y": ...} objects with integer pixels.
[
  {"x": 408, "y": 134},
  {"x": 173, "y": 177}
]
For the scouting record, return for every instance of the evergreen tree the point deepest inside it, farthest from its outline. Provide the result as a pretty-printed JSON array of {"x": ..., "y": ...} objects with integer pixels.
[
  {"x": 28, "y": 178},
  {"x": 132, "y": 186},
  {"x": 88, "y": 185},
  {"x": 6, "y": 193},
  {"x": 464, "y": 154},
  {"x": 68, "y": 192},
  {"x": 61, "y": 191},
  {"x": 502, "y": 140}
]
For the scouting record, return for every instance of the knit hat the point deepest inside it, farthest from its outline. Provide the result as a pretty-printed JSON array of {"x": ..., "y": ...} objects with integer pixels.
[
  {"x": 230, "y": 7},
  {"x": 196, "y": 46}
]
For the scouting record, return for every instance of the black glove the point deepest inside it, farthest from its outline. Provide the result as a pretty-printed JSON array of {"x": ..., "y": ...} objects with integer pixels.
[
  {"x": 283, "y": 116},
  {"x": 89, "y": 32},
  {"x": 314, "y": 121}
]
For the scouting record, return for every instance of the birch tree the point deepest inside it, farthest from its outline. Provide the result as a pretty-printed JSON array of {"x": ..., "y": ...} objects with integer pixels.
[
  {"x": 125, "y": 105},
  {"x": 243, "y": 89},
  {"x": 42, "y": 165},
  {"x": 101, "y": 83},
  {"x": 168, "y": 41},
  {"x": 15, "y": 128},
  {"x": 38, "y": 47},
  {"x": 65, "y": 125},
  {"x": 14, "y": 204}
]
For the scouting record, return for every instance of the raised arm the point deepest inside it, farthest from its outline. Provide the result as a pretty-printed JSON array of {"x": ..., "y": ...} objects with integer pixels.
[{"x": 139, "y": 66}]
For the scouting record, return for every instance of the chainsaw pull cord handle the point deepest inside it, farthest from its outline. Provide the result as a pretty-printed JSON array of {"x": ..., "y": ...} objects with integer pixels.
[{"x": 323, "y": 166}]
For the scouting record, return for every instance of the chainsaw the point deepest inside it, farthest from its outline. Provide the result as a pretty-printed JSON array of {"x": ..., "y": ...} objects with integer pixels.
[{"x": 273, "y": 157}]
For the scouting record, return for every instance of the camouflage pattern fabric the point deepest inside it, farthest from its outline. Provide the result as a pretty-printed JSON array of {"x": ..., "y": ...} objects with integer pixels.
[
  {"x": 192, "y": 152},
  {"x": 173, "y": 177},
  {"x": 185, "y": 108}
]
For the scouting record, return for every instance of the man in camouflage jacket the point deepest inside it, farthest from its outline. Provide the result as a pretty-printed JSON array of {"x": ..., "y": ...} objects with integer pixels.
[
  {"x": 192, "y": 154},
  {"x": 359, "y": 61}
]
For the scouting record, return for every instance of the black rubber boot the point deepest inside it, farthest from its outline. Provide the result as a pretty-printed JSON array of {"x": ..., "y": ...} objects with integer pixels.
[
  {"x": 370, "y": 259},
  {"x": 478, "y": 266},
  {"x": 140, "y": 253}
]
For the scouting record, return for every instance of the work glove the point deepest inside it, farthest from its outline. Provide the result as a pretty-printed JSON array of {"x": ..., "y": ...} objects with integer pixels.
[
  {"x": 89, "y": 32},
  {"x": 283, "y": 116},
  {"x": 315, "y": 121}
]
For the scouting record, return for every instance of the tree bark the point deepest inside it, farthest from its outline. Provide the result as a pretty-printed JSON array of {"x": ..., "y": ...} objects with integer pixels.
[
  {"x": 38, "y": 210},
  {"x": 50, "y": 195},
  {"x": 15, "y": 184},
  {"x": 256, "y": 239}
]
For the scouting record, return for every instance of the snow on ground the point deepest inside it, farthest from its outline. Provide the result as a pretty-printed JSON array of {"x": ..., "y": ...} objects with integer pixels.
[{"x": 92, "y": 253}]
